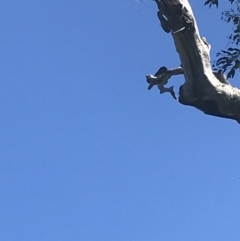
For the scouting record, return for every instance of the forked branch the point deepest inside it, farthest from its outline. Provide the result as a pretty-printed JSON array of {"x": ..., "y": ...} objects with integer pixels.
[{"x": 203, "y": 89}]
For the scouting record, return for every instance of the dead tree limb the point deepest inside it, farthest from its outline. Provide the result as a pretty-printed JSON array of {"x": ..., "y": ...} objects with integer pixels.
[{"x": 203, "y": 89}]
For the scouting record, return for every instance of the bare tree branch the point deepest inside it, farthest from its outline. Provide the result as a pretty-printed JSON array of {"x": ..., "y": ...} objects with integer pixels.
[{"x": 203, "y": 89}]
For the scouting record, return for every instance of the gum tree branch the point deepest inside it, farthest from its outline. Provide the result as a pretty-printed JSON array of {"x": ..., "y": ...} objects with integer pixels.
[{"x": 203, "y": 89}]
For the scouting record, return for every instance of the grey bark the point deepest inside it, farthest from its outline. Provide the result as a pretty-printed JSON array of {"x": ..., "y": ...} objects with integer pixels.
[{"x": 203, "y": 89}]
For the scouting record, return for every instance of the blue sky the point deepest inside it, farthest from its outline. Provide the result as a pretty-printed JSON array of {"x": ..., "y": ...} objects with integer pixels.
[{"x": 87, "y": 153}]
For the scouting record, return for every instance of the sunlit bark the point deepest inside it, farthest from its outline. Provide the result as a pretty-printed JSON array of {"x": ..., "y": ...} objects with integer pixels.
[{"x": 209, "y": 92}]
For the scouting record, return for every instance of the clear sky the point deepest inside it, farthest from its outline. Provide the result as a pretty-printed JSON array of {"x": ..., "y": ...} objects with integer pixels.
[{"x": 87, "y": 153}]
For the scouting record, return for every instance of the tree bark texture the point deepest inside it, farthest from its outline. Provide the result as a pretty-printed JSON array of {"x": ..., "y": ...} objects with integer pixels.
[{"x": 203, "y": 89}]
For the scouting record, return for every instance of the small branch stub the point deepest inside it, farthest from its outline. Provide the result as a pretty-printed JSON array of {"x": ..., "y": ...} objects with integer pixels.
[{"x": 161, "y": 78}]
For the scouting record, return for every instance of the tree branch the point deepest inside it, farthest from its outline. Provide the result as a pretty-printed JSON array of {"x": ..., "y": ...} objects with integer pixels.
[{"x": 203, "y": 89}]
